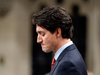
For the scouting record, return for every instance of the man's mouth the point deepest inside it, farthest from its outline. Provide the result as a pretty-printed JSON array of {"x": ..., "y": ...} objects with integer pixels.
[{"x": 42, "y": 45}]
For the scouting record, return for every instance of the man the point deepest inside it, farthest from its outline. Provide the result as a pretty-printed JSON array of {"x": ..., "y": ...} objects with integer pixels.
[{"x": 54, "y": 28}]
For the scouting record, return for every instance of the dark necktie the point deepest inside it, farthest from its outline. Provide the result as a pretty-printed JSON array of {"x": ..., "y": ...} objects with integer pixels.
[{"x": 53, "y": 61}]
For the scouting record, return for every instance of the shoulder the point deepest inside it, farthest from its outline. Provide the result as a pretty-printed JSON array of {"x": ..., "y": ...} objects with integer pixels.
[{"x": 72, "y": 61}]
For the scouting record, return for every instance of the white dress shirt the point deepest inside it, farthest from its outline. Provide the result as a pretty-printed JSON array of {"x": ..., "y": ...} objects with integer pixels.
[{"x": 61, "y": 49}]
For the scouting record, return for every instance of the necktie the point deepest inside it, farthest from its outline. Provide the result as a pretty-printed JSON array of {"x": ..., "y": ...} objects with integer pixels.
[{"x": 53, "y": 61}]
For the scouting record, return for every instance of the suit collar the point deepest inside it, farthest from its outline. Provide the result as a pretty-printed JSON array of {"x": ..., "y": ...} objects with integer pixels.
[
  {"x": 60, "y": 50},
  {"x": 69, "y": 48}
]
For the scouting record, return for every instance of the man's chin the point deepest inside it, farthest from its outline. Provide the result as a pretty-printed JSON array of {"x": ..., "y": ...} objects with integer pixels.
[{"x": 46, "y": 51}]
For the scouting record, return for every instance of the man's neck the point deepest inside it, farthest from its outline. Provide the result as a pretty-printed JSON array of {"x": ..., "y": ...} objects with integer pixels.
[{"x": 61, "y": 43}]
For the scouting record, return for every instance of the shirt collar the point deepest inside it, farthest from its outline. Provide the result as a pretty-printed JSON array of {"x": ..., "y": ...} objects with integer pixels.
[{"x": 61, "y": 49}]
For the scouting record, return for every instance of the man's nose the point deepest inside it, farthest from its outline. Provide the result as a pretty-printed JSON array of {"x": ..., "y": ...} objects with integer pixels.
[{"x": 39, "y": 39}]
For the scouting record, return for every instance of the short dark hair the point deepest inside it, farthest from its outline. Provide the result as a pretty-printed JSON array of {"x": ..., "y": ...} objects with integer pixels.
[{"x": 52, "y": 18}]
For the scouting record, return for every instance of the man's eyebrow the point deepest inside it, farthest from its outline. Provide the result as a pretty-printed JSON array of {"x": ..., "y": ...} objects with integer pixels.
[{"x": 39, "y": 31}]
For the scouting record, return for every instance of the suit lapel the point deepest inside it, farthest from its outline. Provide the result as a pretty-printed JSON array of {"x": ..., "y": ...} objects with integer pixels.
[
  {"x": 69, "y": 48},
  {"x": 54, "y": 67}
]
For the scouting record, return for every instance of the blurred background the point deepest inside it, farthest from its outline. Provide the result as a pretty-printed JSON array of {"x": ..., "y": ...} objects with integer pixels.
[{"x": 19, "y": 52}]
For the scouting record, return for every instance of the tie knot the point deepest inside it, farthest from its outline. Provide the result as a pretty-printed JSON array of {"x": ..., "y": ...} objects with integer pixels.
[{"x": 53, "y": 61}]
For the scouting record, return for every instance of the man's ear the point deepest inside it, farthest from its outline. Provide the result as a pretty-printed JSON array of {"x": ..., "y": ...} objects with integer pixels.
[{"x": 58, "y": 32}]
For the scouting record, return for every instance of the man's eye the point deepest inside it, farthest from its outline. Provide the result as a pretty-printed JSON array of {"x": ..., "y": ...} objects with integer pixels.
[{"x": 42, "y": 34}]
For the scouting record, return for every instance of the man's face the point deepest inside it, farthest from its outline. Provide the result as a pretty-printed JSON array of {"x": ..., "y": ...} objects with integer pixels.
[{"x": 47, "y": 39}]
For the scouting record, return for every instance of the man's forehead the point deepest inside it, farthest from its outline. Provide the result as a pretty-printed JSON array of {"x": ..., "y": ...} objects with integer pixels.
[{"x": 40, "y": 29}]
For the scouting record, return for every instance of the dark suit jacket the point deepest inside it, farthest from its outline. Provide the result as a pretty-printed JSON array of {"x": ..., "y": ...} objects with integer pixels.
[{"x": 70, "y": 62}]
